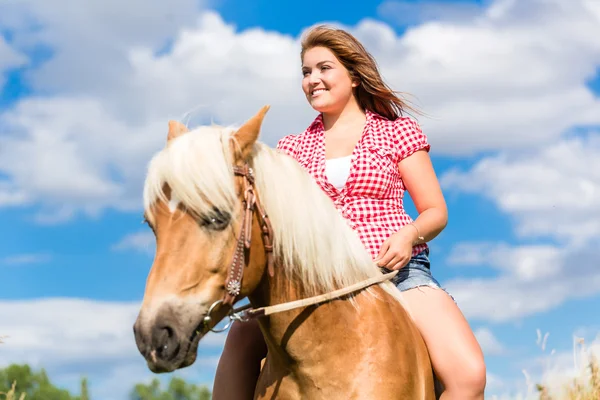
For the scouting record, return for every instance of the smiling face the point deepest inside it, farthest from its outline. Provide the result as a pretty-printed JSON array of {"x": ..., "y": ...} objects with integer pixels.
[{"x": 327, "y": 84}]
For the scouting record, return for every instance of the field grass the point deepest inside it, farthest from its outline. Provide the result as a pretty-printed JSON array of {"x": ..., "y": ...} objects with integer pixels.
[
  {"x": 12, "y": 393},
  {"x": 580, "y": 382},
  {"x": 585, "y": 387}
]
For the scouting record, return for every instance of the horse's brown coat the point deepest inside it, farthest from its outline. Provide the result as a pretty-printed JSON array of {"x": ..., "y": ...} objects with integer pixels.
[{"x": 337, "y": 350}]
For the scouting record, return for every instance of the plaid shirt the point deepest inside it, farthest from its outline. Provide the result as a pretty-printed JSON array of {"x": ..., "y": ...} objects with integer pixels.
[{"x": 371, "y": 199}]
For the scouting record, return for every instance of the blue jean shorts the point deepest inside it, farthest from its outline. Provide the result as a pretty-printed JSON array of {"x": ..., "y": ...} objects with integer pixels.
[{"x": 416, "y": 273}]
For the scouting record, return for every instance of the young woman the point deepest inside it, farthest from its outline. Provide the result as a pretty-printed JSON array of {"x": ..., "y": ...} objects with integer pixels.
[{"x": 364, "y": 154}]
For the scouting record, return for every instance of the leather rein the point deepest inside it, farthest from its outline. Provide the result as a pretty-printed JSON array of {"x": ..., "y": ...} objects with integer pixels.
[{"x": 235, "y": 274}]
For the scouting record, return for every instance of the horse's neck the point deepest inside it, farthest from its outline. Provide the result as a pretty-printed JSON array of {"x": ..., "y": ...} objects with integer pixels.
[
  {"x": 296, "y": 334},
  {"x": 339, "y": 349}
]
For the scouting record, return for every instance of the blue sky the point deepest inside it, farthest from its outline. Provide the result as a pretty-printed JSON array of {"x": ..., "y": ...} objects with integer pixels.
[{"x": 85, "y": 95}]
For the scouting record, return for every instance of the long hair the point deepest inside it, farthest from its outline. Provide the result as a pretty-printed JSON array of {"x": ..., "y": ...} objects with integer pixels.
[{"x": 372, "y": 93}]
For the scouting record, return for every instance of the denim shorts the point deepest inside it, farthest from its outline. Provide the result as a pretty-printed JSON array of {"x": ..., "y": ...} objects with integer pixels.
[{"x": 416, "y": 273}]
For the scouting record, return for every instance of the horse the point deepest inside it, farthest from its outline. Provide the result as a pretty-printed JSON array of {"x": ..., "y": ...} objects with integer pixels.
[{"x": 236, "y": 219}]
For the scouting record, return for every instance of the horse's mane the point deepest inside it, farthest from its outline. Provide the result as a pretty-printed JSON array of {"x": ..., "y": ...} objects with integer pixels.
[{"x": 312, "y": 241}]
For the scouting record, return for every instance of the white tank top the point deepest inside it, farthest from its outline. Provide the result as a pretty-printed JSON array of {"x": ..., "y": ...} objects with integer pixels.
[{"x": 338, "y": 170}]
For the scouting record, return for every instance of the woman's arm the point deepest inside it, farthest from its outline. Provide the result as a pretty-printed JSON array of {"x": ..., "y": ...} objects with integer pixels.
[
  {"x": 424, "y": 189},
  {"x": 422, "y": 184}
]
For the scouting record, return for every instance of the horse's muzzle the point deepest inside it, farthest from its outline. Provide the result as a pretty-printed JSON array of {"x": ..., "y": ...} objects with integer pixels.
[{"x": 161, "y": 342}]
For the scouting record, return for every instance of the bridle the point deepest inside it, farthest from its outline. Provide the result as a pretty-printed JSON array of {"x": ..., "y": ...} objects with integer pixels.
[
  {"x": 233, "y": 283},
  {"x": 235, "y": 273}
]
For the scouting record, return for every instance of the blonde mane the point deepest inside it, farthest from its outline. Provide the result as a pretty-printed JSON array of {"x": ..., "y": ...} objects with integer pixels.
[{"x": 312, "y": 241}]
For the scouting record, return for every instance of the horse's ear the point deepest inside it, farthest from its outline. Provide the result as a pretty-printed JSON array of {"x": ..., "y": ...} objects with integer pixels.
[
  {"x": 248, "y": 133},
  {"x": 176, "y": 129}
]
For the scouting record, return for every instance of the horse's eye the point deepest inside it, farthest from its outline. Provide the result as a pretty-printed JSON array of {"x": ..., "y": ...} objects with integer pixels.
[{"x": 216, "y": 220}]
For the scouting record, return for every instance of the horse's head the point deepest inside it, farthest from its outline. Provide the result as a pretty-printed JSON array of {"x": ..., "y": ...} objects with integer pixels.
[{"x": 195, "y": 196}]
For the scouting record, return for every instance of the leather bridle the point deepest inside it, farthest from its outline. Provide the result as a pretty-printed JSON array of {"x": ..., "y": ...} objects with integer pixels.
[{"x": 235, "y": 274}]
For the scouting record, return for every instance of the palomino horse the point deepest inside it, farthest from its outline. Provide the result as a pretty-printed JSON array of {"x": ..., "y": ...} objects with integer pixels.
[{"x": 215, "y": 198}]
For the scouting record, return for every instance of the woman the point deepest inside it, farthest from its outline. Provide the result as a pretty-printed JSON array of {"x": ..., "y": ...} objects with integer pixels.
[{"x": 364, "y": 155}]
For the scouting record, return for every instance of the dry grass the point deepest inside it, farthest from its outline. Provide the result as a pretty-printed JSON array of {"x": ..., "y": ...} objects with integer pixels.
[
  {"x": 586, "y": 386},
  {"x": 583, "y": 388},
  {"x": 12, "y": 393}
]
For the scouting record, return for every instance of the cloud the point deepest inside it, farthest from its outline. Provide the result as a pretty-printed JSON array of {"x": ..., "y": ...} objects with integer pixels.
[
  {"x": 488, "y": 342},
  {"x": 409, "y": 12},
  {"x": 88, "y": 41},
  {"x": 140, "y": 241},
  {"x": 23, "y": 259},
  {"x": 512, "y": 77},
  {"x": 552, "y": 191},
  {"x": 497, "y": 81},
  {"x": 88, "y": 151},
  {"x": 9, "y": 58},
  {"x": 72, "y": 338},
  {"x": 80, "y": 157},
  {"x": 531, "y": 279}
]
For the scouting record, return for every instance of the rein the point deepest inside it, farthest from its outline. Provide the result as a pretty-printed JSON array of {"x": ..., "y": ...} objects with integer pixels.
[{"x": 235, "y": 274}]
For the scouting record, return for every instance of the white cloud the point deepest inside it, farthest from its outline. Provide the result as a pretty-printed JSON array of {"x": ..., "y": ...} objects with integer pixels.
[
  {"x": 494, "y": 382},
  {"x": 553, "y": 191},
  {"x": 140, "y": 241},
  {"x": 490, "y": 345},
  {"x": 550, "y": 192},
  {"x": 72, "y": 338},
  {"x": 409, "y": 13},
  {"x": 532, "y": 279},
  {"x": 80, "y": 157},
  {"x": 89, "y": 40},
  {"x": 525, "y": 262},
  {"x": 512, "y": 77},
  {"x": 9, "y": 58},
  {"x": 495, "y": 81},
  {"x": 23, "y": 259},
  {"x": 90, "y": 152}
]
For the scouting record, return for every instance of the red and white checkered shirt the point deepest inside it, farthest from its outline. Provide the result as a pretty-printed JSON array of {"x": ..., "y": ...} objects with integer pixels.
[{"x": 371, "y": 199}]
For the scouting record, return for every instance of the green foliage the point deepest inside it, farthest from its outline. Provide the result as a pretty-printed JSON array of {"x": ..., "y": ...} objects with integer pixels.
[
  {"x": 84, "y": 390},
  {"x": 35, "y": 385},
  {"x": 20, "y": 382},
  {"x": 178, "y": 389}
]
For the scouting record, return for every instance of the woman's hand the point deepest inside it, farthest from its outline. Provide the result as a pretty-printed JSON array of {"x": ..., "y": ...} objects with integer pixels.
[{"x": 396, "y": 251}]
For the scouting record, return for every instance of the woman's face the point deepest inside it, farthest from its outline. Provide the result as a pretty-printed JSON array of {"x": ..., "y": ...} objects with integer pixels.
[{"x": 327, "y": 83}]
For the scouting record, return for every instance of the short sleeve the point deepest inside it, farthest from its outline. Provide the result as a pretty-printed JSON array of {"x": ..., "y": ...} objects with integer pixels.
[
  {"x": 287, "y": 145},
  {"x": 408, "y": 138}
]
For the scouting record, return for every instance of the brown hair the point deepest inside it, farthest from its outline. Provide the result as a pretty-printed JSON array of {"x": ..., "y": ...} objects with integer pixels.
[{"x": 371, "y": 93}]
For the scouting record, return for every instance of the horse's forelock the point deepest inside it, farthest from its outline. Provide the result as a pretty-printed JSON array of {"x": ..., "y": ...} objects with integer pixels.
[{"x": 197, "y": 169}]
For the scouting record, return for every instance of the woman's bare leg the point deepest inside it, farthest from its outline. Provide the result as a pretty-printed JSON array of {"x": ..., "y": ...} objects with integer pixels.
[
  {"x": 455, "y": 353},
  {"x": 239, "y": 365}
]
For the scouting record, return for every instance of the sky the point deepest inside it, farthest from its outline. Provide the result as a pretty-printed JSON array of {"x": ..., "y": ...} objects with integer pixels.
[{"x": 511, "y": 91}]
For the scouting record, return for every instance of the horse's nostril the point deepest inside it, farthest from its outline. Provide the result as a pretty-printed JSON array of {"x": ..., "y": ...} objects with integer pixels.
[
  {"x": 170, "y": 332},
  {"x": 165, "y": 342}
]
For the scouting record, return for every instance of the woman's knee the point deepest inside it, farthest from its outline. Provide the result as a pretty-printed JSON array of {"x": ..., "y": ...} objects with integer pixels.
[
  {"x": 469, "y": 376},
  {"x": 475, "y": 374}
]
